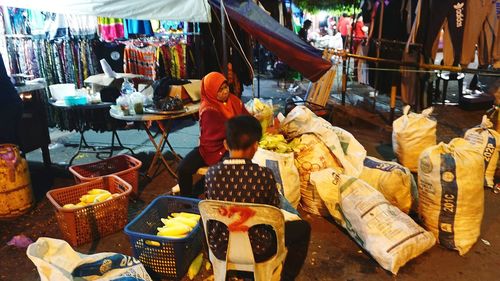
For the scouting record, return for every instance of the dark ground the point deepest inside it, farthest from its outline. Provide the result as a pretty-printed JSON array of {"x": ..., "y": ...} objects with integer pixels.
[{"x": 332, "y": 254}]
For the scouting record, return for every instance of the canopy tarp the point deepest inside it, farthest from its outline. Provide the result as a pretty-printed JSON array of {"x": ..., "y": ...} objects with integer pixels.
[
  {"x": 285, "y": 44},
  {"x": 179, "y": 10}
]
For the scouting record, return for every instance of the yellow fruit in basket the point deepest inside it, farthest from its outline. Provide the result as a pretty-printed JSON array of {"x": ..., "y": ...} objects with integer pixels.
[
  {"x": 172, "y": 236},
  {"x": 190, "y": 222},
  {"x": 88, "y": 198},
  {"x": 179, "y": 229},
  {"x": 81, "y": 204},
  {"x": 102, "y": 197},
  {"x": 186, "y": 215},
  {"x": 70, "y": 206},
  {"x": 96, "y": 191},
  {"x": 179, "y": 220}
]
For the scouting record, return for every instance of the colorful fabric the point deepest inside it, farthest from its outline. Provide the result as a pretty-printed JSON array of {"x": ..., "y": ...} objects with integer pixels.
[
  {"x": 110, "y": 28},
  {"x": 140, "y": 60}
]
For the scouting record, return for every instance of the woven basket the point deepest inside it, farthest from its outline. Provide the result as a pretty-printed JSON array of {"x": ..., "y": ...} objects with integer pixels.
[
  {"x": 84, "y": 224},
  {"x": 124, "y": 166}
]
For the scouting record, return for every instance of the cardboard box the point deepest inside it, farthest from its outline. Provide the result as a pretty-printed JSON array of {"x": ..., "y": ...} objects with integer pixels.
[{"x": 188, "y": 92}]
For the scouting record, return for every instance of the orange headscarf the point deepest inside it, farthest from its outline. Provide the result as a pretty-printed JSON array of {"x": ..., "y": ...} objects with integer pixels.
[{"x": 210, "y": 85}]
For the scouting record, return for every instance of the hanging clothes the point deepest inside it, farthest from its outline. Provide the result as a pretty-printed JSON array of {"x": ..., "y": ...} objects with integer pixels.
[
  {"x": 137, "y": 27},
  {"x": 112, "y": 52},
  {"x": 140, "y": 60},
  {"x": 80, "y": 25},
  {"x": 110, "y": 28},
  {"x": 452, "y": 10},
  {"x": 480, "y": 29}
]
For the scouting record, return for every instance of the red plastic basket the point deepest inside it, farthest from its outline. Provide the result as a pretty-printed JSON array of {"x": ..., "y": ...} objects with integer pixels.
[
  {"x": 84, "y": 224},
  {"x": 124, "y": 166}
]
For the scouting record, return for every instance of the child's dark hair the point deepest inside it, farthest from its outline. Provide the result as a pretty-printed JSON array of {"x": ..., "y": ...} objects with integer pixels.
[{"x": 242, "y": 132}]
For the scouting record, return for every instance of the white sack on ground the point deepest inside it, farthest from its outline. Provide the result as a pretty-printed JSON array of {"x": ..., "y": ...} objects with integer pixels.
[
  {"x": 488, "y": 143},
  {"x": 348, "y": 151},
  {"x": 451, "y": 195},
  {"x": 284, "y": 171},
  {"x": 411, "y": 134},
  {"x": 393, "y": 180},
  {"x": 389, "y": 235},
  {"x": 312, "y": 155},
  {"x": 56, "y": 260}
]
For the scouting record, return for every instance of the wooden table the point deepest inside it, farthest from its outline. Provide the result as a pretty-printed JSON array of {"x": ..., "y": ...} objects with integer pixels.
[{"x": 164, "y": 124}]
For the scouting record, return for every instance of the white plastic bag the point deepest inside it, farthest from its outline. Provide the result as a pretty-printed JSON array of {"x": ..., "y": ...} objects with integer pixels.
[
  {"x": 411, "y": 134},
  {"x": 451, "y": 195},
  {"x": 348, "y": 151},
  {"x": 487, "y": 141},
  {"x": 56, "y": 260},
  {"x": 389, "y": 235},
  {"x": 393, "y": 180},
  {"x": 262, "y": 110},
  {"x": 284, "y": 171}
]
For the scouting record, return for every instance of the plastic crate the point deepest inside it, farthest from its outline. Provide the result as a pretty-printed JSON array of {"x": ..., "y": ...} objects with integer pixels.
[
  {"x": 124, "y": 166},
  {"x": 84, "y": 224},
  {"x": 164, "y": 257}
]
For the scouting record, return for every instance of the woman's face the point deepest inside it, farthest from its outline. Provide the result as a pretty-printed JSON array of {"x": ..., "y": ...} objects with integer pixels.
[{"x": 223, "y": 93}]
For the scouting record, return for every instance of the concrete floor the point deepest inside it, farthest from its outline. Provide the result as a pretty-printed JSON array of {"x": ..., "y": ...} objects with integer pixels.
[{"x": 332, "y": 254}]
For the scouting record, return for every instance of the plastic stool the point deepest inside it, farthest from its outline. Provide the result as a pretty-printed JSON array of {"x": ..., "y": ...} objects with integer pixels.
[{"x": 447, "y": 76}]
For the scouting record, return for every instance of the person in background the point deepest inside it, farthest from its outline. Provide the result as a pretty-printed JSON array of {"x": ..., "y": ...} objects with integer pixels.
[
  {"x": 237, "y": 179},
  {"x": 344, "y": 27},
  {"x": 11, "y": 108},
  {"x": 217, "y": 106},
  {"x": 304, "y": 31}
]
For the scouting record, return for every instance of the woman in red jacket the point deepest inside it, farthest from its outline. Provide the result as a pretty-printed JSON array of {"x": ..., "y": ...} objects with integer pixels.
[{"x": 217, "y": 106}]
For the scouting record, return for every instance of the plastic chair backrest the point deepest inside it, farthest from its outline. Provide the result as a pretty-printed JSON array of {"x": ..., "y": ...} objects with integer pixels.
[{"x": 239, "y": 218}]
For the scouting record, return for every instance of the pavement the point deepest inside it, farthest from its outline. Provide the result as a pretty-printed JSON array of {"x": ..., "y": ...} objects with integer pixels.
[{"x": 332, "y": 254}]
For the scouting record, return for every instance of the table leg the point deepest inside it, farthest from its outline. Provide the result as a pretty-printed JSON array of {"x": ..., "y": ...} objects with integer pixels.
[
  {"x": 83, "y": 143},
  {"x": 158, "y": 154},
  {"x": 167, "y": 129}
]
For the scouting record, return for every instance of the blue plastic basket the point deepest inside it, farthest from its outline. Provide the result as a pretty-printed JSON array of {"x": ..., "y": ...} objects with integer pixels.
[{"x": 164, "y": 257}]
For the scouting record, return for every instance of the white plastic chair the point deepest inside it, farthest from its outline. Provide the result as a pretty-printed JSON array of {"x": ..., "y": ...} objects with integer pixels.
[{"x": 239, "y": 250}]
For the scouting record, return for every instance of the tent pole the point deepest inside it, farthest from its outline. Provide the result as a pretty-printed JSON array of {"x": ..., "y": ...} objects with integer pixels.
[{"x": 224, "y": 41}]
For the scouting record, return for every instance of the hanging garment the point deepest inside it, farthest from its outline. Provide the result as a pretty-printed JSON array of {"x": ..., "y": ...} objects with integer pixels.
[
  {"x": 112, "y": 53},
  {"x": 455, "y": 12},
  {"x": 110, "y": 28},
  {"x": 484, "y": 20},
  {"x": 140, "y": 60},
  {"x": 80, "y": 25},
  {"x": 137, "y": 27}
]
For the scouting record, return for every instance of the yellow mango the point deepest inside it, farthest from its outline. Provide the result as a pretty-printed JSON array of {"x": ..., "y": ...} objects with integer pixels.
[{"x": 96, "y": 191}]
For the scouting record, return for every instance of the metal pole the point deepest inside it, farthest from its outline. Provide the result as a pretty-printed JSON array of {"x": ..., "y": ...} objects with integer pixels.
[
  {"x": 380, "y": 25},
  {"x": 224, "y": 41}
]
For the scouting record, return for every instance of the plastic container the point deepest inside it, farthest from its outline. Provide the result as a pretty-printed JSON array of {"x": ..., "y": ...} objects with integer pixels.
[
  {"x": 164, "y": 257},
  {"x": 59, "y": 91},
  {"x": 75, "y": 100},
  {"x": 84, "y": 224},
  {"x": 16, "y": 195},
  {"x": 123, "y": 166}
]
